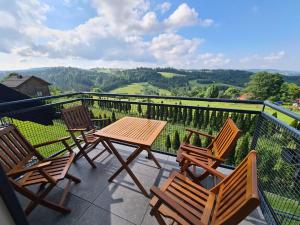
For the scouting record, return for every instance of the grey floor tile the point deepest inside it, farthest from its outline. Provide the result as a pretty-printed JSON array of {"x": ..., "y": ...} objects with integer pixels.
[
  {"x": 123, "y": 202},
  {"x": 151, "y": 220},
  {"x": 97, "y": 216},
  {"x": 93, "y": 181},
  {"x": 46, "y": 216}
]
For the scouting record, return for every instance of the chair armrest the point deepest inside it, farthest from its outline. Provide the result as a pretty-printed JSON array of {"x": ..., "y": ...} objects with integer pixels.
[
  {"x": 63, "y": 139},
  {"x": 20, "y": 171},
  {"x": 103, "y": 119},
  {"x": 209, "y": 169},
  {"x": 188, "y": 149},
  {"x": 76, "y": 129},
  {"x": 170, "y": 203},
  {"x": 200, "y": 133}
]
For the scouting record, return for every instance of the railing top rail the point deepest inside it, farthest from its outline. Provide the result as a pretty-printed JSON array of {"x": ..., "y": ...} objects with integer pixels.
[
  {"x": 283, "y": 124},
  {"x": 282, "y": 110},
  {"x": 177, "y": 98},
  {"x": 29, "y": 100}
]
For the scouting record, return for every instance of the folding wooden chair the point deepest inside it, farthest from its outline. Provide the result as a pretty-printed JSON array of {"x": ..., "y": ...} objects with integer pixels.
[
  {"x": 78, "y": 119},
  {"x": 229, "y": 202},
  {"x": 214, "y": 154},
  {"x": 24, "y": 167}
]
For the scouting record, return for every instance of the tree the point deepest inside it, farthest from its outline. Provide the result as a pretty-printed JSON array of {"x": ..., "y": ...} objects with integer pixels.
[
  {"x": 184, "y": 115},
  {"x": 176, "y": 141},
  {"x": 157, "y": 112},
  {"x": 139, "y": 109},
  {"x": 213, "y": 120},
  {"x": 153, "y": 113},
  {"x": 148, "y": 112},
  {"x": 166, "y": 113},
  {"x": 168, "y": 142},
  {"x": 113, "y": 116},
  {"x": 54, "y": 90},
  {"x": 189, "y": 116},
  {"x": 242, "y": 150},
  {"x": 179, "y": 115},
  {"x": 212, "y": 91},
  {"x": 196, "y": 118},
  {"x": 219, "y": 120},
  {"x": 196, "y": 140},
  {"x": 96, "y": 89},
  {"x": 289, "y": 91},
  {"x": 185, "y": 139},
  {"x": 208, "y": 140},
  {"x": 294, "y": 123},
  {"x": 231, "y": 93},
  {"x": 206, "y": 119},
  {"x": 201, "y": 119},
  {"x": 264, "y": 85}
]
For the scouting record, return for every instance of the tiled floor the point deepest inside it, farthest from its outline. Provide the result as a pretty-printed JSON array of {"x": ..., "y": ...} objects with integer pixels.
[{"x": 96, "y": 201}]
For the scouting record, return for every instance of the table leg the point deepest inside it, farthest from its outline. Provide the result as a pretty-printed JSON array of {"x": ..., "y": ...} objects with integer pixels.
[
  {"x": 130, "y": 158},
  {"x": 125, "y": 166},
  {"x": 151, "y": 156}
]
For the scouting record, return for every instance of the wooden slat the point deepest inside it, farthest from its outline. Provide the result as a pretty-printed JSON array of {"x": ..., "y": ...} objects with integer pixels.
[{"x": 133, "y": 130}]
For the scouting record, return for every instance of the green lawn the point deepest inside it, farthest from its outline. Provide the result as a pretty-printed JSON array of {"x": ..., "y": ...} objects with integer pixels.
[
  {"x": 36, "y": 133},
  {"x": 139, "y": 88},
  {"x": 170, "y": 75}
]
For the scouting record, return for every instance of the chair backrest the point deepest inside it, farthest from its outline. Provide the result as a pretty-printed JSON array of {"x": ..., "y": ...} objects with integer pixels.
[
  {"x": 14, "y": 148},
  {"x": 237, "y": 194},
  {"x": 77, "y": 117},
  {"x": 226, "y": 139}
]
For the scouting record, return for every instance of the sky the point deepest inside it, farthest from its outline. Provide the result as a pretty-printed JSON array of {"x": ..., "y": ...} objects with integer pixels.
[{"x": 199, "y": 34}]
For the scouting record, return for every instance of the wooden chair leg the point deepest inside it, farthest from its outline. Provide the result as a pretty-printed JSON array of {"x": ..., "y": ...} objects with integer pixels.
[
  {"x": 38, "y": 198},
  {"x": 73, "y": 178},
  {"x": 85, "y": 155},
  {"x": 158, "y": 217}
]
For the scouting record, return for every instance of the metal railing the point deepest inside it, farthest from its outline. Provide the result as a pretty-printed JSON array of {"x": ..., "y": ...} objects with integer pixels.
[{"x": 276, "y": 142}]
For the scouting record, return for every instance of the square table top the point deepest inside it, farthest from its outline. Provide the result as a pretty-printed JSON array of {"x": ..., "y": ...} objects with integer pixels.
[{"x": 133, "y": 130}]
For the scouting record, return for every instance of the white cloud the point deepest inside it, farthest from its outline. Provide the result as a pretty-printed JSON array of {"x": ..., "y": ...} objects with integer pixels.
[
  {"x": 7, "y": 20},
  {"x": 173, "y": 49},
  {"x": 182, "y": 16},
  {"x": 127, "y": 30},
  {"x": 212, "y": 60},
  {"x": 273, "y": 57},
  {"x": 164, "y": 7},
  {"x": 262, "y": 61}
]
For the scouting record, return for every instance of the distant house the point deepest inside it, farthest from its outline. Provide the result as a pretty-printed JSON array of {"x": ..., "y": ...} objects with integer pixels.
[
  {"x": 297, "y": 103},
  {"x": 246, "y": 96},
  {"x": 28, "y": 85}
]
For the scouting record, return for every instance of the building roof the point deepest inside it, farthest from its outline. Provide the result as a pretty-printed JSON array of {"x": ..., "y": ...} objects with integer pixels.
[{"x": 17, "y": 80}]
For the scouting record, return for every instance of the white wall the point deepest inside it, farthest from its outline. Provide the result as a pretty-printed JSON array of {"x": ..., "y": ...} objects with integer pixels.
[{"x": 5, "y": 218}]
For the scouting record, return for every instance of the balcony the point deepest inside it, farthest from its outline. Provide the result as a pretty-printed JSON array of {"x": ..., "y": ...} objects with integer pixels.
[{"x": 96, "y": 201}]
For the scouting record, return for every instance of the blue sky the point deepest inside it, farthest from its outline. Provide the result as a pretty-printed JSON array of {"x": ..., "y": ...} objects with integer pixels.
[{"x": 243, "y": 34}]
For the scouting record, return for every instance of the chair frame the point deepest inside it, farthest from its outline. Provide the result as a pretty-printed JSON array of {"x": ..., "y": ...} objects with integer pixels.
[
  {"x": 215, "y": 153},
  {"x": 77, "y": 119},
  {"x": 227, "y": 203},
  {"x": 16, "y": 153}
]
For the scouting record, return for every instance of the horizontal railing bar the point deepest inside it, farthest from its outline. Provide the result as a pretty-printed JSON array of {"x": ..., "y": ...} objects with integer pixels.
[
  {"x": 11, "y": 113},
  {"x": 282, "y": 110},
  {"x": 29, "y": 100},
  {"x": 182, "y": 106},
  {"x": 178, "y": 98}
]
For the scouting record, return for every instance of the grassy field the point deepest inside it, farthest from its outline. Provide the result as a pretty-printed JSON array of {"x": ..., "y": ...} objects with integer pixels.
[
  {"x": 36, "y": 133},
  {"x": 139, "y": 88},
  {"x": 170, "y": 75}
]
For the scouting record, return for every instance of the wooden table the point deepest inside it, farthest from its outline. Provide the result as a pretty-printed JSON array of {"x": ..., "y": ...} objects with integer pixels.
[{"x": 136, "y": 131}]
